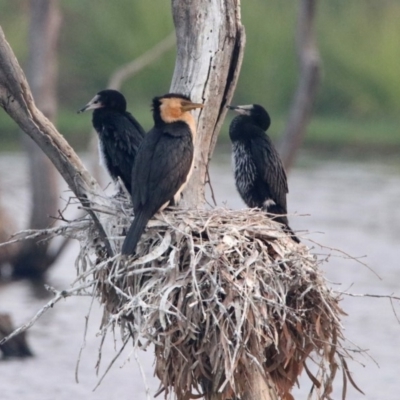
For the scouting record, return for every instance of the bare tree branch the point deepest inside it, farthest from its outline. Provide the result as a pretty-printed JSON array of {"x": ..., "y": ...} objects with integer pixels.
[
  {"x": 58, "y": 295},
  {"x": 16, "y": 99},
  {"x": 301, "y": 109},
  {"x": 376, "y": 296},
  {"x": 132, "y": 68}
]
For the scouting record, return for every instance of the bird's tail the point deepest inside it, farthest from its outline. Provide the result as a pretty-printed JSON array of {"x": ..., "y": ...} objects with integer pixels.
[
  {"x": 134, "y": 233},
  {"x": 290, "y": 232},
  {"x": 282, "y": 219}
]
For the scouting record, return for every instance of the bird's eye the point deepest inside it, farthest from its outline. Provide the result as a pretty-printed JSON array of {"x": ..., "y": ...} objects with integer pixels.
[{"x": 96, "y": 102}]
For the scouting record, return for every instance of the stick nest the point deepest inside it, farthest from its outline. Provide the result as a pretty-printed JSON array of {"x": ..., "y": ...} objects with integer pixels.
[{"x": 220, "y": 293}]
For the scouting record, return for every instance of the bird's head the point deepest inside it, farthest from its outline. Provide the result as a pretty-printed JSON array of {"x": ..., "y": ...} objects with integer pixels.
[
  {"x": 173, "y": 107},
  {"x": 111, "y": 99},
  {"x": 256, "y": 112}
]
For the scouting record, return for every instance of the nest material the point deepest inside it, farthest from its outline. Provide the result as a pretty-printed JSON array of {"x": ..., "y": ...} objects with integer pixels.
[{"x": 220, "y": 293}]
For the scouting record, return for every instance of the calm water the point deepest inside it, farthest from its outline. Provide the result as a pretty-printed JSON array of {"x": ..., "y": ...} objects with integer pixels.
[{"x": 351, "y": 206}]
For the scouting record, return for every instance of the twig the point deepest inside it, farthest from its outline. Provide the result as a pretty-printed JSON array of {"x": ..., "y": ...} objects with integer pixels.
[
  {"x": 348, "y": 256},
  {"x": 112, "y": 362},
  {"x": 132, "y": 68},
  {"x": 210, "y": 185},
  {"x": 59, "y": 295},
  {"x": 142, "y": 373},
  {"x": 33, "y": 234},
  {"x": 377, "y": 296},
  {"x": 83, "y": 345},
  {"x": 394, "y": 310}
]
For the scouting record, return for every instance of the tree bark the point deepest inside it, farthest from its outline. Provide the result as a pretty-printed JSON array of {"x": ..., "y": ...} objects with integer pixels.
[
  {"x": 32, "y": 259},
  {"x": 259, "y": 387},
  {"x": 16, "y": 99},
  {"x": 302, "y": 105},
  {"x": 210, "y": 47}
]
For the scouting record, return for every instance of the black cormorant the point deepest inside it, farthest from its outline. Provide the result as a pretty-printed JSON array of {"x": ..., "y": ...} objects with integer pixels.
[
  {"x": 259, "y": 173},
  {"x": 164, "y": 162},
  {"x": 119, "y": 133}
]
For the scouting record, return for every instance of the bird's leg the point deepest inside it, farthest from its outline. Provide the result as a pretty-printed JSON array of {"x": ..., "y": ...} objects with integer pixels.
[
  {"x": 122, "y": 187},
  {"x": 121, "y": 190}
]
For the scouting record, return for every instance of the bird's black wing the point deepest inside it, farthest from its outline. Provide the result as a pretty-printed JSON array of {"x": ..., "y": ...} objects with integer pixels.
[
  {"x": 121, "y": 135},
  {"x": 270, "y": 168},
  {"x": 136, "y": 124},
  {"x": 141, "y": 169},
  {"x": 162, "y": 165}
]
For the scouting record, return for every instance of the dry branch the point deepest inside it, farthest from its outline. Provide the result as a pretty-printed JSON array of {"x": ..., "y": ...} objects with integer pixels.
[
  {"x": 138, "y": 64},
  {"x": 58, "y": 296},
  {"x": 16, "y": 99}
]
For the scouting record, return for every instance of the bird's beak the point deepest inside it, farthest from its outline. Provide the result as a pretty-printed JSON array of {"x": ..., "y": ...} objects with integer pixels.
[
  {"x": 188, "y": 105},
  {"x": 83, "y": 109},
  {"x": 94, "y": 103},
  {"x": 240, "y": 109}
]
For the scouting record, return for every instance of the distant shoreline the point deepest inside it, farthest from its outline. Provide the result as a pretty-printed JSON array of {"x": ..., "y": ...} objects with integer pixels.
[{"x": 327, "y": 134}]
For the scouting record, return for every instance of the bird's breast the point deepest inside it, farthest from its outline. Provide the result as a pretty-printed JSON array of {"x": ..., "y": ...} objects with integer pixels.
[
  {"x": 244, "y": 168},
  {"x": 102, "y": 157}
]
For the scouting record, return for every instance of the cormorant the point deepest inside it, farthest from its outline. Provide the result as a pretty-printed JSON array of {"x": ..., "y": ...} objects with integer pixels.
[
  {"x": 259, "y": 173},
  {"x": 164, "y": 162},
  {"x": 119, "y": 133}
]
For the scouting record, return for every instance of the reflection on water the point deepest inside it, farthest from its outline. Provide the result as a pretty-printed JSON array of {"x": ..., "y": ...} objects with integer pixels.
[{"x": 350, "y": 206}]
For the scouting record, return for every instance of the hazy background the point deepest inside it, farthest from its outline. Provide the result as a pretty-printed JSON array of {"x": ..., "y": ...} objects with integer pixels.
[{"x": 357, "y": 104}]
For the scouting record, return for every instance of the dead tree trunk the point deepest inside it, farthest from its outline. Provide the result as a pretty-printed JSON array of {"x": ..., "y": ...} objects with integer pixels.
[
  {"x": 302, "y": 105},
  {"x": 210, "y": 45},
  {"x": 32, "y": 259}
]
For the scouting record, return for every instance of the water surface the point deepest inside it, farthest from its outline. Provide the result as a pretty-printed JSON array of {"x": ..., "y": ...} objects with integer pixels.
[{"x": 352, "y": 206}]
